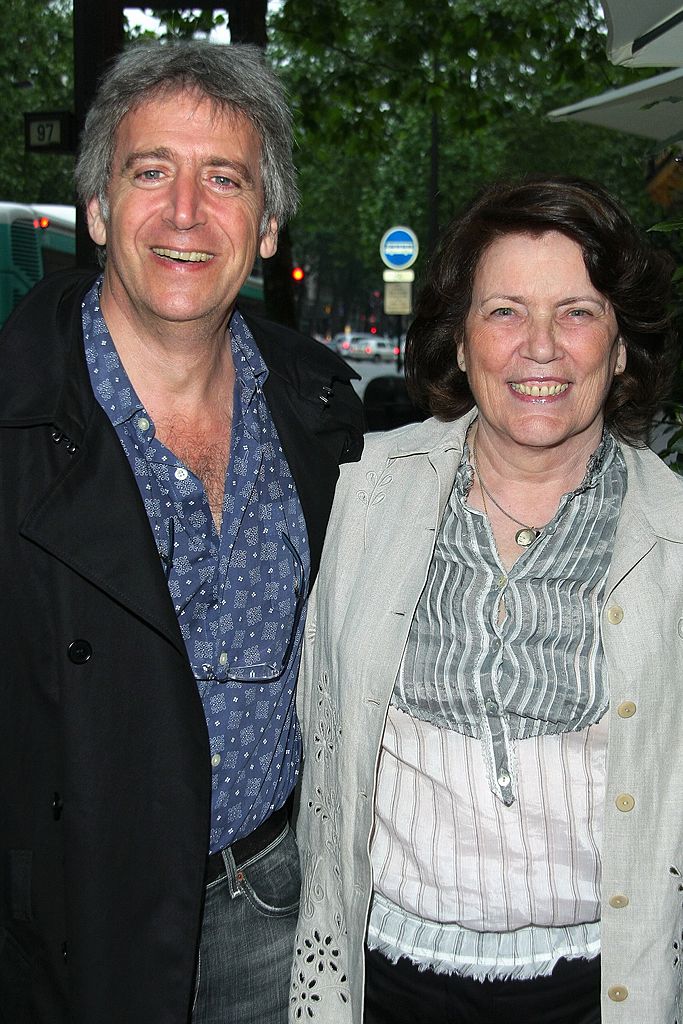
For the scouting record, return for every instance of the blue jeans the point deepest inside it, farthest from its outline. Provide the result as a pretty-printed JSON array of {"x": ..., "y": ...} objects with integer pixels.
[{"x": 247, "y": 939}]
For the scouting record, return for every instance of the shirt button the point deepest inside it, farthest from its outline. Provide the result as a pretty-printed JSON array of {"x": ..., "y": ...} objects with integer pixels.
[
  {"x": 215, "y": 760},
  {"x": 503, "y": 779},
  {"x": 625, "y": 802},
  {"x": 181, "y": 473},
  {"x": 491, "y": 707},
  {"x": 617, "y": 993},
  {"x": 143, "y": 423},
  {"x": 626, "y": 709},
  {"x": 223, "y": 660},
  {"x": 501, "y": 581},
  {"x": 615, "y": 614},
  {"x": 618, "y": 902}
]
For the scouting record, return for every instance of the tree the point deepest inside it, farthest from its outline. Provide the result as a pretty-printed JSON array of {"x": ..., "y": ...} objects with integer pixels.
[
  {"x": 36, "y": 66},
  {"x": 405, "y": 108}
]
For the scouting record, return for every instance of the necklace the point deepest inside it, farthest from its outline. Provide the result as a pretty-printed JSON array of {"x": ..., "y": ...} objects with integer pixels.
[{"x": 524, "y": 537}]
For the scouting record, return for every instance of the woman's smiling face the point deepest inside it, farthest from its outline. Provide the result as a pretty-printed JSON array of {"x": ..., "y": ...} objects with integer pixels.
[{"x": 541, "y": 344}]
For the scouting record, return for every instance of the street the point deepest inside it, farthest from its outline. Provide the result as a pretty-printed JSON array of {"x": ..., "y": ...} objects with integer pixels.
[{"x": 369, "y": 371}]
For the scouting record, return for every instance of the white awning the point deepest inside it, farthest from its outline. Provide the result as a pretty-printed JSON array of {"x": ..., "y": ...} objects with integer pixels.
[
  {"x": 645, "y": 33},
  {"x": 652, "y": 108}
]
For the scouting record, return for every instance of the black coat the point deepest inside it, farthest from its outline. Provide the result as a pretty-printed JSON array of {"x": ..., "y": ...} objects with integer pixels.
[{"x": 104, "y": 761}]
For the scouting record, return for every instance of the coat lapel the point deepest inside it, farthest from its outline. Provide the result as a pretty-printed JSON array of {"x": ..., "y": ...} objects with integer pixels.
[
  {"x": 650, "y": 511},
  {"x": 317, "y": 429},
  {"x": 92, "y": 518}
]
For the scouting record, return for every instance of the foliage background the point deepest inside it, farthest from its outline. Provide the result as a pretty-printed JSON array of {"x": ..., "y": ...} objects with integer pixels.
[
  {"x": 36, "y": 58},
  {"x": 384, "y": 90},
  {"x": 403, "y": 109}
]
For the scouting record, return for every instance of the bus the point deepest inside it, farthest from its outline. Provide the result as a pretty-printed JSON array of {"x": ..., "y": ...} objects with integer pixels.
[
  {"x": 39, "y": 238},
  {"x": 34, "y": 240}
]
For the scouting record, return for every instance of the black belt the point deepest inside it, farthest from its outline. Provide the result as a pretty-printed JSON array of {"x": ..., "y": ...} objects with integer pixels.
[{"x": 243, "y": 850}]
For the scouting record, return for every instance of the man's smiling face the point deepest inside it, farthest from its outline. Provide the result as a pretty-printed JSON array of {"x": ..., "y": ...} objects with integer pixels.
[{"x": 185, "y": 204}]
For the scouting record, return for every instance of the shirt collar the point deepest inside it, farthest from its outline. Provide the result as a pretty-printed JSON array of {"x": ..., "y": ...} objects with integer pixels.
[
  {"x": 250, "y": 369},
  {"x": 109, "y": 380},
  {"x": 596, "y": 467}
]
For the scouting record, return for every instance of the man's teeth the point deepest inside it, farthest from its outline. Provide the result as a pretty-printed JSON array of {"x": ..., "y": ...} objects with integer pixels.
[
  {"x": 187, "y": 257},
  {"x": 539, "y": 390}
]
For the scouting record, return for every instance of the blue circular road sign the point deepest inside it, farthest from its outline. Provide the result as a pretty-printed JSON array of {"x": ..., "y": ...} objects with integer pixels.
[{"x": 399, "y": 248}]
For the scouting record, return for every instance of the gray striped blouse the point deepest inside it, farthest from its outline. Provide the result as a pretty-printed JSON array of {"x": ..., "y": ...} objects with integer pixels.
[{"x": 539, "y": 669}]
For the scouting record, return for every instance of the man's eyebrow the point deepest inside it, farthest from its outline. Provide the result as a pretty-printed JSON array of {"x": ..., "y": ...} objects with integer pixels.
[
  {"x": 147, "y": 154},
  {"x": 162, "y": 153},
  {"x": 223, "y": 162}
]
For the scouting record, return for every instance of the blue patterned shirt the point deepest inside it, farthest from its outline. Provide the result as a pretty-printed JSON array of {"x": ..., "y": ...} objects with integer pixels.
[{"x": 240, "y": 595}]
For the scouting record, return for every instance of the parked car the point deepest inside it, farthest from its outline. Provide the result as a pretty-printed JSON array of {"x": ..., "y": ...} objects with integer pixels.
[
  {"x": 341, "y": 343},
  {"x": 373, "y": 347}
]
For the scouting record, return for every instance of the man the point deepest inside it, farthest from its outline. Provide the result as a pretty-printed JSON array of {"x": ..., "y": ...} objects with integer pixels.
[{"x": 166, "y": 473}]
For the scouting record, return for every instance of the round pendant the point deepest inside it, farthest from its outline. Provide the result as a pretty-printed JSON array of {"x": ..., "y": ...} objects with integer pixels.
[{"x": 526, "y": 536}]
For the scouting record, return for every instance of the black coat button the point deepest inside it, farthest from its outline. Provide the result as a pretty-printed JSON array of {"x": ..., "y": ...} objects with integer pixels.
[
  {"x": 79, "y": 652},
  {"x": 57, "y": 807}
]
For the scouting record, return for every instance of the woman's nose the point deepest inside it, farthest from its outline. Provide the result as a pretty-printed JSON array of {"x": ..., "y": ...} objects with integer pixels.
[{"x": 540, "y": 343}]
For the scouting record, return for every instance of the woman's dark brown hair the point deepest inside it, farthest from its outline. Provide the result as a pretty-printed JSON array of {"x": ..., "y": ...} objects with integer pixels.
[{"x": 621, "y": 264}]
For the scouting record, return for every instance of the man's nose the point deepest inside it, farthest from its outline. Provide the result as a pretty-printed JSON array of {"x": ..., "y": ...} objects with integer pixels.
[{"x": 185, "y": 207}]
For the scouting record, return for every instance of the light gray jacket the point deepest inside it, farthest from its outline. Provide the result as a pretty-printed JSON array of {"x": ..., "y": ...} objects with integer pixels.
[{"x": 379, "y": 545}]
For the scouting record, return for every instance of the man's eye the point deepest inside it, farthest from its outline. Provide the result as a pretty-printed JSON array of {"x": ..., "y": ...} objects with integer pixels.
[
  {"x": 150, "y": 174},
  {"x": 223, "y": 181}
]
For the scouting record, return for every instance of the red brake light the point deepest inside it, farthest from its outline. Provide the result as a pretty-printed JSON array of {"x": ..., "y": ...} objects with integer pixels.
[
  {"x": 41, "y": 222},
  {"x": 396, "y": 350},
  {"x": 368, "y": 350}
]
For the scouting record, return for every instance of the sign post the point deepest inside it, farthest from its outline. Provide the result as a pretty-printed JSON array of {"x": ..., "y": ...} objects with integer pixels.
[{"x": 398, "y": 249}]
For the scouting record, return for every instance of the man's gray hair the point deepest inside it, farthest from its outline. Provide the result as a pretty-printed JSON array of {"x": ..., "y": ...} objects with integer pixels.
[{"x": 235, "y": 78}]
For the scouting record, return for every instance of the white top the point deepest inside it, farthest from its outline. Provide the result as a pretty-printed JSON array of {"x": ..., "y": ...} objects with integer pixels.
[{"x": 466, "y": 883}]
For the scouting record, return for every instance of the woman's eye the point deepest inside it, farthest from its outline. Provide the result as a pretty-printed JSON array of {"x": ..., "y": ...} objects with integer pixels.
[
  {"x": 578, "y": 313},
  {"x": 503, "y": 311}
]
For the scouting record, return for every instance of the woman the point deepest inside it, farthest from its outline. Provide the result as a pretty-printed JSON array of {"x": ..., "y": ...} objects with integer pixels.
[{"x": 493, "y": 681}]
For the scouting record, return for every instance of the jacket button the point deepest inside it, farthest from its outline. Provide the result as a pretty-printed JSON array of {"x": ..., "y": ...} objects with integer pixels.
[
  {"x": 626, "y": 709},
  {"x": 625, "y": 802},
  {"x": 79, "y": 652},
  {"x": 617, "y": 993},
  {"x": 57, "y": 806},
  {"x": 615, "y": 615},
  {"x": 618, "y": 902}
]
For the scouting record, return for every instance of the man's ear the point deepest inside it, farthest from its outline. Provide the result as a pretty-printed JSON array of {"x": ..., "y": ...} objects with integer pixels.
[
  {"x": 96, "y": 224},
  {"x": 268, "y": 244}
]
